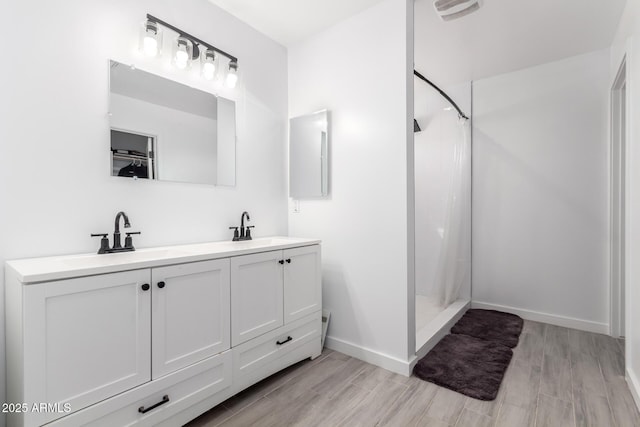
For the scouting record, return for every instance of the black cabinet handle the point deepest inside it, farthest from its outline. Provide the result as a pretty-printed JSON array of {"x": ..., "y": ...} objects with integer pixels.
[
  {"x": 285, "y": 341},
  {"x": 288, "y": 260},
  {"x": 281, "y": 262},
  {"x": 144, "y": 410},
  {"x": 161, "y": 285},
  {"x": 145, "y": 287}
]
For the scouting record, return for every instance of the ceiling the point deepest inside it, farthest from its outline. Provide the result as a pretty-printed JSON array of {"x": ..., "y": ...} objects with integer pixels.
[
  {"x": 503, "y": 36},
  {"x": 507, "y": 35},
  {"x": 289, "y": 21}
]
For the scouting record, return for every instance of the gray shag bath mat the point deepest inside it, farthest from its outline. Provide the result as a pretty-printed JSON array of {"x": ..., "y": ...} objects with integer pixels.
[
  {"x": 467, "y": 365},
  {"x": 503, "y": 328}
]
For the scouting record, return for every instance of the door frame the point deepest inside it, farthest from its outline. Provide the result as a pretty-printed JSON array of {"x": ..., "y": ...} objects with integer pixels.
[{"x": 618, "y": 150}]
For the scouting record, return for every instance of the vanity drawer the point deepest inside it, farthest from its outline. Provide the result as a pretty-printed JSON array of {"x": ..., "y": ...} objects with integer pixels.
[
  {"x": 259, "y": 357},
  {"x": 182, "y": 389}
]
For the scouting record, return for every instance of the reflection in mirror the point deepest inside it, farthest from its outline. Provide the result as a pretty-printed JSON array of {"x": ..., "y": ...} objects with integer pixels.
[
  {"x": 164, "y": 130},
  {"x": 308, "y": 156}
]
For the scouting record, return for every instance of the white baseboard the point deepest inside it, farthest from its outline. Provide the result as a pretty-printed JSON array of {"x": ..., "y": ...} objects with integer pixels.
[
  {"x": 404, "y": 367},
  {"x": 567, "y": 322},
  {"x": 382, "y": 360},
  {"x": 634, "y": 386}
]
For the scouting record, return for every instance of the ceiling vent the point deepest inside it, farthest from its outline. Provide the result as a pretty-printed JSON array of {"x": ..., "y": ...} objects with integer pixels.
[{"x": 449, "y": 10}]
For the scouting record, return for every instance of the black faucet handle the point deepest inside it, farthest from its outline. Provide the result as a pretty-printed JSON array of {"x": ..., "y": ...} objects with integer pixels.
[
  {"x": 236, "y": 235},
  {"x": 128, "y": 241},
  {"x": 104, "y": 242},
  {"x": 247, "y": 234}
]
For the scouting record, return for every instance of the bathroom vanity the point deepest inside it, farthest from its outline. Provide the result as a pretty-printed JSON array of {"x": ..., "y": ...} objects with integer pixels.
[{"x": 157, "y": 336}]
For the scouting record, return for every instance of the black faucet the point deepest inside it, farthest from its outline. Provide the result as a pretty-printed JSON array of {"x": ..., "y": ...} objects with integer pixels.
[
  {"x": 245, "y": 232},
  {"x": 116, "y": 233},
  {"x": 117, "y": 243},
  {"x": 245, "y": 213}
]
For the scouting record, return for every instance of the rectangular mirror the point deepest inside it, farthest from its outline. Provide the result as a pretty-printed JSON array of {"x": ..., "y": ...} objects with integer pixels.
[
  {"x": 164, "y": 130},
  {"x": 308, "y": 156}
]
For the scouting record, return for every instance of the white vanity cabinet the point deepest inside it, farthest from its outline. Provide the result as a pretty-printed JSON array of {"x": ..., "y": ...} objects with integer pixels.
[{"x": 139, "y": 340}]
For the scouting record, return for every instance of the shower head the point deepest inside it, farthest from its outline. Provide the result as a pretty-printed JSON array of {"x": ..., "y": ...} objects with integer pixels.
[{"x": 449, "y": 10}]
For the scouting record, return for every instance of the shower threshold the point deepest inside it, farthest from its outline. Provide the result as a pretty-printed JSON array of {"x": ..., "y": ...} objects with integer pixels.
[{"x": 429, "y": 334}]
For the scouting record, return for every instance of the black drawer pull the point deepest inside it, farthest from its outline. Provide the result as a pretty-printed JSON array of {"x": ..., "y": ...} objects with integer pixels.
[
  {"x": 161, "y": 285},
  {"x": 288, "y": 260},
  {"x": 144, "y": 410},
  {"x": 281, "y": 262},
  {"x": 145, "y": 287},
  {"x": 285, "y": 341}
]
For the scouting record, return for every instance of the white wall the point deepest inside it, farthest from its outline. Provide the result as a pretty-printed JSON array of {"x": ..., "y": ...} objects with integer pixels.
[
  {"x": 54, "y": 131},
  {"x": 627, "y": 43},
  {"x": 434, "y": 166},
  {"x": 359, "y": 70},
  {"x": 540, "y": 191}
]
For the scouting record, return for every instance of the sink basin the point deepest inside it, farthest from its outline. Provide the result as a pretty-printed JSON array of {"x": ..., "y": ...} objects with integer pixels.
[
  {"x": 240, "y": 245},
  {"x": 123, "y": 257},
  {"x": 262, "y": 242}
]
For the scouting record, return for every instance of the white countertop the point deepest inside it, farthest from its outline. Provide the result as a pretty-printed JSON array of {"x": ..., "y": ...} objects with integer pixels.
[{"x": 35, "y": 270}]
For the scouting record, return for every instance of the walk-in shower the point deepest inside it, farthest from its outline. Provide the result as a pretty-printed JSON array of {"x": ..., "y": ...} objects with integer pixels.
[{"x": 443, "y": 205}]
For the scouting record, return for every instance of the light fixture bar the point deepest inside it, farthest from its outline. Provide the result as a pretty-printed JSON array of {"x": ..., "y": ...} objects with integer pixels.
[{"x": 192, "y": 38}]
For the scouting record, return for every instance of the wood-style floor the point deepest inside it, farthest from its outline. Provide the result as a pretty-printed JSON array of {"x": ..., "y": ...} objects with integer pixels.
[{"x": 558, "y": 377}]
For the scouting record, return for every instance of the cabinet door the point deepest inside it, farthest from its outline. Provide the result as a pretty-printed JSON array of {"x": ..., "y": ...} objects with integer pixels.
[
  {"x": 190, "y": 313},
  {"x": 302, "y": 282},
  {"x": 86, "y": 339},
  {"x": 256, "y": 295}
]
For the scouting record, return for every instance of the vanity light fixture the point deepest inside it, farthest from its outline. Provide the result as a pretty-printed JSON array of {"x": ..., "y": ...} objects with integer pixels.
[
  {"x": 187, "y": 50},
  {"x": 232, "y": 74},
  {"x": 150, "y": 38}
]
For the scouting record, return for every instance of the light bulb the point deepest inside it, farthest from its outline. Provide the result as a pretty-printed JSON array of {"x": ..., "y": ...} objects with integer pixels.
[
  {"x": 150, "y": 39},
  {"x": 232, "y": 75},
  {"x": 208, "y": 70},
  {"x": 232, "y": 80},
  {"x": 182, "y": 56},
  {"x": 209, "y": 66},
  {"x": 150, "y": 44}
]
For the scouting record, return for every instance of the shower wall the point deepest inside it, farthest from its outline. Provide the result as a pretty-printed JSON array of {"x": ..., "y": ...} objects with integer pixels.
[
  {"x": 434, "y": 166},
  {"x": 540, "y": 192}
]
